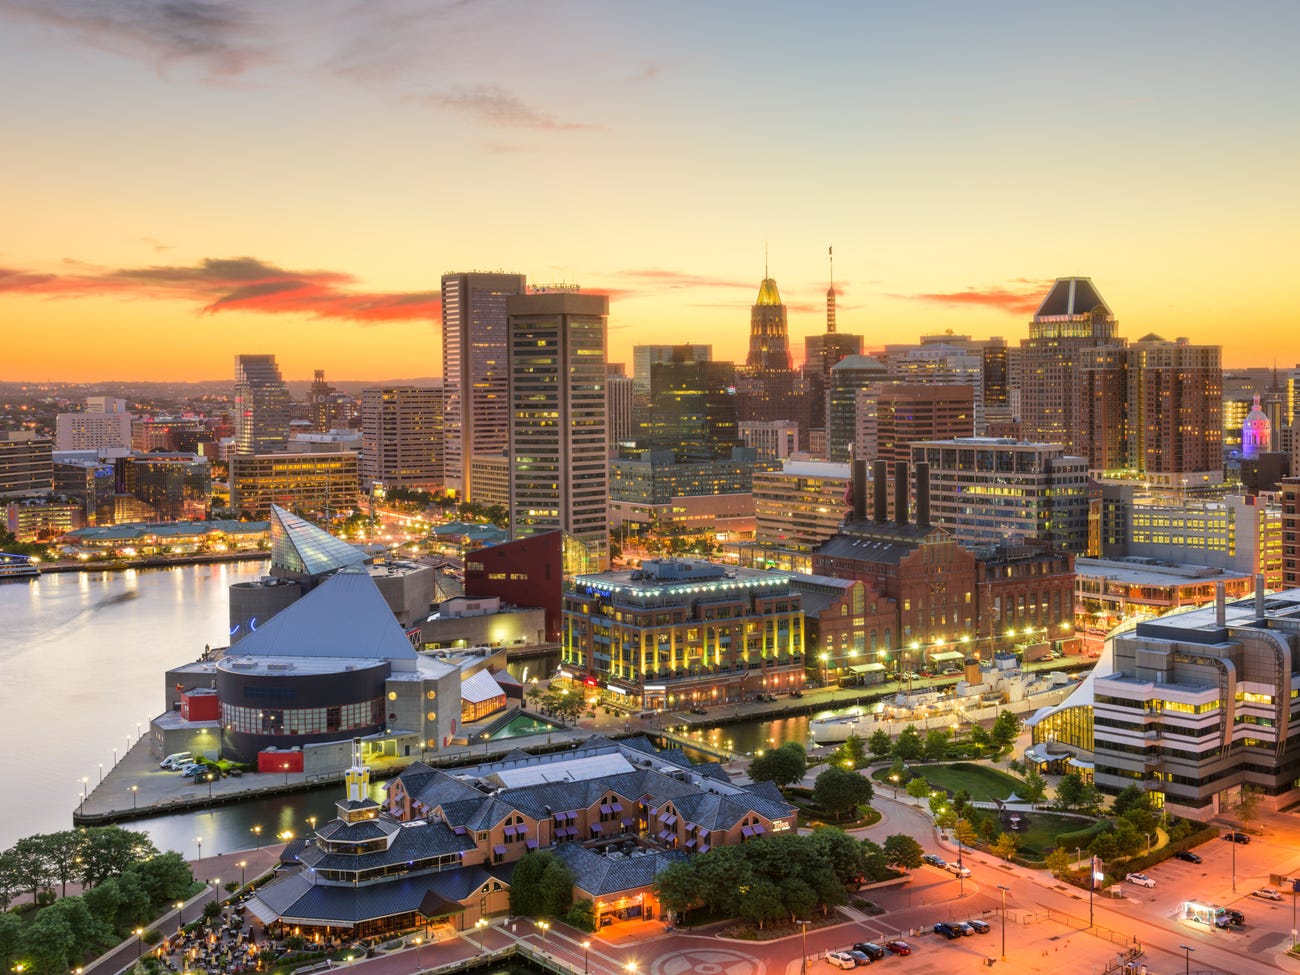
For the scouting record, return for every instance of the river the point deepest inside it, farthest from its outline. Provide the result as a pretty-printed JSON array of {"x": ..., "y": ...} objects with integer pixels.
[{"x": 82, "y": 657}]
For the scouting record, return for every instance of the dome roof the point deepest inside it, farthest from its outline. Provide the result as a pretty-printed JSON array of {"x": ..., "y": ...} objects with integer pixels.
[
  {"x": 1257, "y": 417},
  {"x": 767, "y": 293}
]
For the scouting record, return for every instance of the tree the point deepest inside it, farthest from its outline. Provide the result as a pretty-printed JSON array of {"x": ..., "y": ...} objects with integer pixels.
[
  {"x": 1072, "y": 792},
  {"x": 980, "y": 737},
  {"x": 1058, "y": 861},
  {"x": 760, "y": 902},
  {"x": 880, "y": 744},
  {"x": 839, "y": 792},
  {"x": 918, "y": 788},
  {"x": 1005, "y": 846},
  {"x": 936, "y": 744},
  {"x": 32, "y": 864},
  {"x": 852, "y": 754},
  {"x": 211, "y": 911},
  {"x": 581, "y": 916},
  {"x": 49, "y": 942},
  {"x": 11, "y": 881},
  {"x": 908, "y": 747},
  {"x": 1005, "y": 728},
  {"x": 965, "y": 832},
  {"x": 1130, "y": 797},
  {"x": 1103, "y": 846},
  {"x": 841, "y": 853},
  {"x": 781, "y": 766},
  {"x": 1246, "y": 805},
  {"x": 555, "y": 888},
  {"x": 903, "y": 851},
  {"x": 1034, "y": 787},
  {"x": 11, "y": 931},
  {"x": 165, "y": 878},
  {"x": 63, "y": 853},
  {"x": 535, "y": 887},
  {"x": 676, "y": 887}
]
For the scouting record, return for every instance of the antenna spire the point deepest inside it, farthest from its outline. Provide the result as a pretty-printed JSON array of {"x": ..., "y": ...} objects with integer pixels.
[
  {"x": 830, "y": 294},
  {"x": 765, "y": 274}
]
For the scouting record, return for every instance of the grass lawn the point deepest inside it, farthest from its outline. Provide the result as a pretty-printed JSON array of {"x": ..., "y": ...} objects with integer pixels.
[
  {"x": 981, "y": 781},
  {"x": 1040, "y": 838}
]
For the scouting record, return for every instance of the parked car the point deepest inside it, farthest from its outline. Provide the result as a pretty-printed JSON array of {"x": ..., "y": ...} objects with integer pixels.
[
  {"x": 981, "y": 927},
  {"x": 190, "y": 769},
  {"x": 1225, "y": 916},
  {"x": 870, "y": 949},
  {"x": 1269, "y": 894},
  {"x": 934, "y": 860},
  {"x": 796, "y": 693},
  {"x": 176, "y": 760},
  {"x": 1237, "y": 837},
  {"x": 958, "y": 869},
  {"x": 949, "y": 931},
  {"x": 1141, "y": 879},
  {"x": 841, "y": 959},
  {"x": 899, "y": 947},
  {"x": 859, "y": 957},
  {"x": 1187, "y": 856}
]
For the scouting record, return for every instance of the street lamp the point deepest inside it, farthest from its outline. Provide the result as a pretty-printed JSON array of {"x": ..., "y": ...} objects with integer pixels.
[
  {"x": 285, "y": 766},
  {"x": 85, "y": 786},
  {"x": 1187, "y": 958},
  {"x": 199, "y": 841},
  {"x": 242, "y": 865},
  {"x": 479, "y": 925},
  {"x": 1004, "y": 920},
  {"x": 1094, "y": 874},
  {"x": 139, "y": 941},
  {"x": 1233, "y": 836},
  {"x": 135, "y": 791},
  {"x": 803, "y": 961},
  {"x": 544, "y": 926},
  {"x": 585, "y": 969},
  {"x": 894, "y": 779},
  {"x": 209, "y": 785},
  {"x": 257, "y": 831},
  {"x": 631, "y": 968},
  {"x": 179, "y": 906}
]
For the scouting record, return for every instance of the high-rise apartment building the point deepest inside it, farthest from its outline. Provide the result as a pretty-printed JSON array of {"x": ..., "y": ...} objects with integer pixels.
[
  {"x": 26, "y": 464},
  {"x": 402, "y": 437},
  {"x": 619, "y": 394},
  {"x": 559, "y": 474},
  {"x": 1071, "y": 319},
  {"x": 475, "y": 378},
  {"x": 1289, "y": 489},
  {"x": 847, "y": 379},
  {"x": 770, "y": 439},
  {"x": 987, "y": 491},
  {"x": 893, "y": 416},
  {"x": 261, "y": 406},
  {"x": 801, "y": 505},
  {"x": 104, "y": 426}
]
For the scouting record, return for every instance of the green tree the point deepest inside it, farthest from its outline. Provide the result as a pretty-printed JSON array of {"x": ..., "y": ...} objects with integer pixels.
[
  {"x": 877, "y": 867},
  {"x": 1005, "y": 728},
  {"x": 581, "y": 916},
  {"x": 908, "y": 747},
  {"x": 852, "y": 754},
  {"x": 781, "y": 766},
  {"x": 918, "y": 788},
  {"x": 11, "y": 880},
  {"x": 1073, "y": 793},
  {"x": 211, "y": 911},
  {"x": 535, "y": 886},
  {"x": 1246, "y": 805},
  {"x": 903, "y": 851},
  {"x": 761, "y": 902},
  {"x": 1103, "y": 846},
  {"x": 1034, "y": 787},
  {"x": 677, "y": 886},
  {"x": 165, "y": 877},
  {"x": 63, "y": 852},
  {"x": 936, "y": 744},
  {"x": 1128, "y": 838},
  {"x": 1130, "y": 797},
  {"x": 556, "y": 888},
  {"x": 839, "y": 792},
  {"x": 32, "y": 861},
  {"x": 1005, "y": 846},
  {"x": 880, "y": 744},
  {"x": 11, "y": 934},
  {"x": 107, "y": 851},
  {"x": 841, "y": 853},
  {"x": 105, "y": 901},
  {"x": 965, "y": 832},
  {"x": 49, "y": 942},
  {"x": 980, "y": 737},
  {"x": 1058, "y": 862}
]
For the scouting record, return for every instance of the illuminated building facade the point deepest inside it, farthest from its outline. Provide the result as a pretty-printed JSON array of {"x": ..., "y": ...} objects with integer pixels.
[
  {"x": 302, "y": 482},
  {"x": 26, "y": 464},
  {"x": 402, "y": 437},
  {"x": 1290, "y": 496},
  {"x": 988, "y": 490},
  {"x": 676, "y": 632},
  {"x": 262, "y": 410},
  {"x": 770, "y": 439},
  {"x": 176, "y": 486},
  {"x": 893, "y": 416},
  {"x": 801, "y": 505},
  {"x": 104, "y": 426},
  {"x": 474, "y": 371},
  {"x": 845, "y": 383}
]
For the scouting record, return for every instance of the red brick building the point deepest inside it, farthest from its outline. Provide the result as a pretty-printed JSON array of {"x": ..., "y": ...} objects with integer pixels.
[
  {"x": 1025, "y": 594},
  {"x": 525, "y": 572}
]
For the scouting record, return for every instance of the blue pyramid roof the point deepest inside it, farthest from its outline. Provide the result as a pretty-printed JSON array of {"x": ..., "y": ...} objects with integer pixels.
[
  {"x": 300, "y": 548},
  {"x": 345, "y": 616}
]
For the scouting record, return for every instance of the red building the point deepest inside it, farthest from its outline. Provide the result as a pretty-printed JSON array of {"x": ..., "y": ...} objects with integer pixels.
[
  {"x": 1025, "y": 595},
  {"x": 526, "y": 572}
]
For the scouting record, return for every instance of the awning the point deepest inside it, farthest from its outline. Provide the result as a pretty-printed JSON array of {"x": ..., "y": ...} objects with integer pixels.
[
  {"x": 521, "y": 829},
  {"x": 669, "y": 820},
  {"x": 746, "y": 831},
  {"x": 510, "y": 831},
  {"x": 435, "y": 905},
  {"x": 595, "y": 828},
  {"x": 605, "y": 810},
  {"x": 532, "y": 844},
  {"x": 459, "y": 830},
  {"x": 616, "y": 806},
  {"x": 690, "y": 843},
  {"x": 664, "y": 834},
  {"x": 627, "y": 824},
  {"x": 704, "y": 848},
  {"x": 866, "y": 668},
  {"x": 758, "y": 829},
  {"x": 499, "y": 850},
  {"x": 947, "y": 656}
]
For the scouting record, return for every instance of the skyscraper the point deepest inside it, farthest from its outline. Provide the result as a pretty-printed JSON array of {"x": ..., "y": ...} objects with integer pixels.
[
  {"x": 769, "y": 338},
  {"x": 1071, "y": 318},
  {"x": 476, "y": 412},
  {"x": 559, "y": 473},
  {"x": 261, "y": 406},
  {"x": 693, "y": 408},
  {"x": 401, "y": 437}
]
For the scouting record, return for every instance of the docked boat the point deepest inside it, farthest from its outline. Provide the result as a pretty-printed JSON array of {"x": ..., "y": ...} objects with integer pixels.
[
  {"x": 840, "y": 727},
  {"x": 17, "y": 567}
]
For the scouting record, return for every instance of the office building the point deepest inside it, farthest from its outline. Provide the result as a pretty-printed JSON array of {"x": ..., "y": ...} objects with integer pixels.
[
  {"x": 26, "y": 464},
  {"x": 893, "y": 416},
  {"x": 673, "y": 633},
  {"x": 942, "y": 360},
  {"x": 1071, "y": 319},
  {"x": 770, "y": 439},
  {"x": 987, "y": 491},
  {"x": 645, "y": 356},
  {"x": 176, "y": 487},
  {"x": 847, "y": 379},
  {"x": 43, "y": 519},
  {"x": 402, "y": 438},
  {"x": 261, "y": 406},
  {"x": 769, "y": 335},
  {"x": 1289, "y": 493},
  {"x": 692, "y": 408},
  {"x": 324, "y": 483},
  {"x": 621, "y": 411},
  {"x": 89, "y": 482},
  {"x": 801, "y": 505},
  {"x": 654, "y": 489},
  {"x": 558, "y": 439},
  {"x": 104, "y": 426},
  {"x": 1108, "y": 592},
  {"x": 475, "y": 379}
]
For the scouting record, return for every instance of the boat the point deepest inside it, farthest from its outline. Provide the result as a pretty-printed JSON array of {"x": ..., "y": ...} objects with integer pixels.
[
  {"x": 838, "y": 728},
  {"x": 17, "y": 567}
]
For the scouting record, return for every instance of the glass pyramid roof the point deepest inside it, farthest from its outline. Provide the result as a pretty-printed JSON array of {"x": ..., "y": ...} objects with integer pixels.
[{"x": 300, "y": 548}]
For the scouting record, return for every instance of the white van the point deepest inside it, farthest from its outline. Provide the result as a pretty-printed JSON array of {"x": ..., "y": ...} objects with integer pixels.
[{"x": 176, "y": 760}]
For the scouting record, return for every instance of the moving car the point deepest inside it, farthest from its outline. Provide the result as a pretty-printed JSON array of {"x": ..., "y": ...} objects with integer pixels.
[
  {"x": 870, "y": 949},
  {"x": 899, "y": 947},
  {"x": 1237, "y": 837},
  {"x": 981, "y": 926},
  {"x": 841, "y": 959},
  {"x": 1269, "y": 894},
  {"x": 934, "y": 860},
  {"x": 1141, "y": 879},
  {"x": 1187, "y": 856},
  {"x": 949, "y": 931}
]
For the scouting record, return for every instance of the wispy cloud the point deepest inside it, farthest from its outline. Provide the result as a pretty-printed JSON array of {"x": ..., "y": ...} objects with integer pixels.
[
  {"x": 659, "y": 279},
  {"x": 223, "y": 38},
  {"x": 1022, "y": 300},
  {"x": 496, "y": 107},
  {"x": 233, "y": 284}
]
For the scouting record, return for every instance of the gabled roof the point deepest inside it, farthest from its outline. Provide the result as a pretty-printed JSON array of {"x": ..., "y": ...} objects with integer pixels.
[
  {"x": 600, "y": 875},
  {"x": 300, "y": 548},
  {"x": 480, "y": 687},
  {"x": 345, "y": 616}
]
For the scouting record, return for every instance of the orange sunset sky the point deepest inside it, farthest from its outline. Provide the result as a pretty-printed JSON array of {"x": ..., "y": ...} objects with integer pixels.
[{"x": 185, "y": 182}]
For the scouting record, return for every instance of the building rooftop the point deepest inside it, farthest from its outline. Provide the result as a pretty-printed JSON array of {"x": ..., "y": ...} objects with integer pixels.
[
  {"x": 1139, "y": 571},
  {"x": 299, "y": 547}
]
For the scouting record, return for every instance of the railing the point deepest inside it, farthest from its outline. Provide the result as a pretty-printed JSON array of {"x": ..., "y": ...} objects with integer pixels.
[{"x": 1069, "y": 920}]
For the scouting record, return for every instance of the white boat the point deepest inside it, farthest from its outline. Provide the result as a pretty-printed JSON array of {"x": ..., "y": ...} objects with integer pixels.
[
  {"x": 17, "y": 567},
  {"x": 839, "y": 727}
]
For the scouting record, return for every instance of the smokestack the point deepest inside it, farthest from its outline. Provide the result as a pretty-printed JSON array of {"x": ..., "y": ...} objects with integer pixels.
[
  {"x": 880, "y": 486},
  {"x": 923, "y": 493},
  {"x": 1259, "y": 597},
  {"x": 1220, "y": 606},
  {"x": 900, "y": 492},
  {"x": 859, "y": 490}
]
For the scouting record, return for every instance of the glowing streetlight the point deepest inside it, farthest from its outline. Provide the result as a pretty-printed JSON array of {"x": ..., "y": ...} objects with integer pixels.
[
  {"x": 198, "y": 840},
  {"x": 257, "y": 831},
  {"x": 480, "y": 924},
  {"x": 803, "y": 961},
  {"x": 1004, "y": 920},
  {"x": 139, "y": 941},
  {"x": 242, "y": 864},
  {"x": 544, "y": 926},
  {"x": 585, "y": 946},
  {"x": 135, "y": 792}
]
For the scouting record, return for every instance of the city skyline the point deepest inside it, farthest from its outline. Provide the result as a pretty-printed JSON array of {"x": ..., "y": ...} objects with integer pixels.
[{"x": 187, "y": 185}]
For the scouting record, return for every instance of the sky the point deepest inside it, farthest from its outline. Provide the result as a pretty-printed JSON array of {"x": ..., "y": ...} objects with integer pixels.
[{"x": 182, "y": 181}]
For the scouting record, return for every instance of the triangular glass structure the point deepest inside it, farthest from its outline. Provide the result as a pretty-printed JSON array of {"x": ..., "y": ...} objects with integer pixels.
[{"x": 299, "y": 548}]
